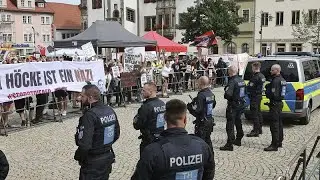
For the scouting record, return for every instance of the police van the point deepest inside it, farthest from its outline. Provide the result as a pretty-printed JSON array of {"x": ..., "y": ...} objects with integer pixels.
[{"x": 301, "y": 71}]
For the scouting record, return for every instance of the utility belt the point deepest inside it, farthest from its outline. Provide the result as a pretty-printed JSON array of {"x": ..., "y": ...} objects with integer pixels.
[
  {"x": 149, "y": 137},
  {"x": 236, "y": 102},
  {"x": 98, "y": 151},
  {"x": 273, "y": 103}
]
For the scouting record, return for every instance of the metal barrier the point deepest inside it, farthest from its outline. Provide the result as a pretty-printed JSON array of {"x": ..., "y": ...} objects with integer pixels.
[
  {"x": 128, "y": 86},
  {"x": 302, "y": 159}
]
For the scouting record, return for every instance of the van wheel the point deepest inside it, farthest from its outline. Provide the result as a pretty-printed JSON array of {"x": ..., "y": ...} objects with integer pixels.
[{"x": 305, "y": 120}]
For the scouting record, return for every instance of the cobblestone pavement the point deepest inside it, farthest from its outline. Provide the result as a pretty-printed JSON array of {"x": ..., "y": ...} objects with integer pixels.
[{"x": 46, "y": 152}]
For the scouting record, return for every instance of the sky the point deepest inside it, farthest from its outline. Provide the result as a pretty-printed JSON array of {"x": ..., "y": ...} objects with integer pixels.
[{"x": 66, "y": 1}]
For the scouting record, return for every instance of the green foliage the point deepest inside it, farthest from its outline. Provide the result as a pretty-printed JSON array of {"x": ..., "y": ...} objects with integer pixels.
[
  {"x": 308, "y": 30},
  {"x": 217, "y": 15}
]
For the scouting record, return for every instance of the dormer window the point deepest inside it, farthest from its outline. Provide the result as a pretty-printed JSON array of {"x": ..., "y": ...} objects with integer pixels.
[{"x": 40, "y": 4}]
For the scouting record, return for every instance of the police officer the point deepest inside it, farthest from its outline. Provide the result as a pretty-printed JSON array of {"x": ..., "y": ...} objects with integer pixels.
[
  {"x": 276, "y": 91},
  {"x": 149, "y": 120},
  {"x": 235, "y": 94},
  {"x": 98, "y": 129},
  {"x": 176, "y": 155},
  {"x": 4, "y": 166},
  {"x": 201, "y": 108},
  {"x": 254, "y": 90}
]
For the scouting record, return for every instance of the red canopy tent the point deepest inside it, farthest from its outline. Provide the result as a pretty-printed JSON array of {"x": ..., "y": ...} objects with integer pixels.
[{"x": 164, "y": 43}]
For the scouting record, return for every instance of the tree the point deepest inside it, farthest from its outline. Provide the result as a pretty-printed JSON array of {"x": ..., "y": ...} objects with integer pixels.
[
  {"x": 308, "y": 30},
  {"x": 217, "y": 15}
]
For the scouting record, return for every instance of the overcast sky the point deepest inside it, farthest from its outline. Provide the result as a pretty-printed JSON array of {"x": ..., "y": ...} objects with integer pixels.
[{"x": 66, "y": 1}]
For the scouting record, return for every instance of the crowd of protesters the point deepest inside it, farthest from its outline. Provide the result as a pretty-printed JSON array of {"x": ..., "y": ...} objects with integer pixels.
[{"x": 171, "y": 74}]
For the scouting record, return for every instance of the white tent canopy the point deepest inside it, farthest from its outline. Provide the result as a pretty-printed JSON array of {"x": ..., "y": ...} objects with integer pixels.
[{"x": 66, "y": 52}]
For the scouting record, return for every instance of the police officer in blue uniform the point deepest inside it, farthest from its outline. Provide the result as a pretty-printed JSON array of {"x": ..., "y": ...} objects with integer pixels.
[
  {"x": 4, "y": 166},
  {"x": 254, "y": 90},
  {"x": 235, "y": 94},
  {"x": 98, "y": 129},
  {"x": 275, "y": 91},
  {"x": 176, "y": 155},
  {"x": 149, "y": 119},
  {"x": 202, "y": 108}
]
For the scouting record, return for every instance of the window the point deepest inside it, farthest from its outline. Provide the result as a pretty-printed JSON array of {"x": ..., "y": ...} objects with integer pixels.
[
  {"x": 7, "y": 37},
  {"x": 266, "y": 50},
  {"x": 63, "y": 36},
  {"x": 281, "y": 47},
  {"x": 313, "y": 16},
  {"x": 30, "y": 37},
  {"x": 315, "y": 65},
  {"x": 42, "y": 20},
  {"x": 295, "y": 17},
  {"x": 316, "y": 48},
  {"x": 309, "y": 69},
  {"x": 3, "y": 17},
  {"x": 130, "y": 15},
  {"x": 181, "y": 17},
  {"x": 24, "y": 19},
  {"x": 246, "y": 15},
  {"x": 48, "y": 37},
  {"x": 265, "y": 19},
  {"x": 0, "y": 2},
  {"x": 96, "y": 4},
  {"x": 160, "y": 19},
  {"x": 8, "y": 17},
  {"x": 289, "y": 70},
  {"x": 22, "y": 3},
  {"x": 245, "y": 48},
  {"x": 279, "y": 20},
  {"x": 29, "y": 4},
  {"x": 231, "y": 48},
  {"x": 43, "y": 38},
  {"x": 148, "y": 22},
  {"x": 25, "y": 37},
  {"x": 47, "y": 20},
  {"x": 296, "y": 47},
  {"x": 40, "y": 4}
]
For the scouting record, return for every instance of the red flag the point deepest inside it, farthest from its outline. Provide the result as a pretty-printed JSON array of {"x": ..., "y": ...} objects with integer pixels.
[{"x": 205, "y": 40}]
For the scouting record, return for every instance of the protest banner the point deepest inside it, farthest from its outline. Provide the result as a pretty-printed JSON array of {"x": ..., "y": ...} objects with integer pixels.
[
  {"x": 133, "y": 56},
  {"x": 27, "y": 79}
]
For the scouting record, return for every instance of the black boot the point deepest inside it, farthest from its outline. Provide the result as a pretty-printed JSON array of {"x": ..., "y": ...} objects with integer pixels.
[
  {"x": 271, "y": 148},
  {"x": 253, "y": 134},
  {"x": 227, "y": 147},
  {"x": 237, "y": 142}
]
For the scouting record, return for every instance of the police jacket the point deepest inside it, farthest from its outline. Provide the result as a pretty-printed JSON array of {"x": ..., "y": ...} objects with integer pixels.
[
  {"x": 176, "y": 155},
  {"x": 203, "y": 104},
  {"x": 4, "y": 166},
  {"x": 150, "y": 118},
  {"x": 98, "y": 129},
  {"x": 235, "y": 90},
  {"x": 255, "y": 86},
  {"x": 276, "y": 89}
]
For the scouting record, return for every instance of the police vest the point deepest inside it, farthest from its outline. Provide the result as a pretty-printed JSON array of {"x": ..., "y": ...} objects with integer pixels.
[
  {"x": 182, "y": 163},
  {"x": 209, "y": 105},
  {"x": 240, "y": 90},
  {"x": 105, "y": 129},
  {"x": 159, "y": 118}
]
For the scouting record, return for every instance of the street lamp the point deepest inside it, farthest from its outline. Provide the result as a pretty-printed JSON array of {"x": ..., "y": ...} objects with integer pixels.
[
  {"x": 34, "y": 38},
  {"x": 269, "y": 18}
]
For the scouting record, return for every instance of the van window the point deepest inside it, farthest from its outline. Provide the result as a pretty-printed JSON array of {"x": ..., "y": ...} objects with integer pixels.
[
  {"x": 310, "y": 70},
  {"x": 289, "y": 70}
]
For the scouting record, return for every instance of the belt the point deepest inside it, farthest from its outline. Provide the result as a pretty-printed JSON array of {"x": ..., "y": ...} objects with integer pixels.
[{"x": 100, "y": 151}]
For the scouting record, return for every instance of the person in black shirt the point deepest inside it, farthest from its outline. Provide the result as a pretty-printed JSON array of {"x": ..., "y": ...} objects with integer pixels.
[
  {"x": 149, "y": 119},
  {"x": 177, "y": 66},
  {"x": 176, "y": 155},
  {"x": 275, "y": 91},
  {"x": 4, "y": 166},
  {"x": 98, "y": 129},
  {"x": 254, "y": 90}
]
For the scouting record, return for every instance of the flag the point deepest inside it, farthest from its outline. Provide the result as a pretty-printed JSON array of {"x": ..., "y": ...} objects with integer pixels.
[{"x": 205, "y": 40}]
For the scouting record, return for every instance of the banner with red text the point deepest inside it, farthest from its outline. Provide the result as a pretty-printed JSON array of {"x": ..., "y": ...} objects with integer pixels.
[{"x": 27, "y": 79}]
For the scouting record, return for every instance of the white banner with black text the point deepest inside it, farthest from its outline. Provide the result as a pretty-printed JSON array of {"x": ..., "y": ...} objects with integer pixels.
[{"x": 27, "y": 79}]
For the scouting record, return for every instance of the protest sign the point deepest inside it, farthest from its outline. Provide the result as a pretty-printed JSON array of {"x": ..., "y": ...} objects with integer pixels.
[
  {"x": 143, "y": 79},
  {"x": 150, "y": 56},
  {"x": 26, "y": 79},
  {"x": 115, "y": 71},
  {"x": 88, "y": 50},
  {"x": 133, "y": 56}
]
